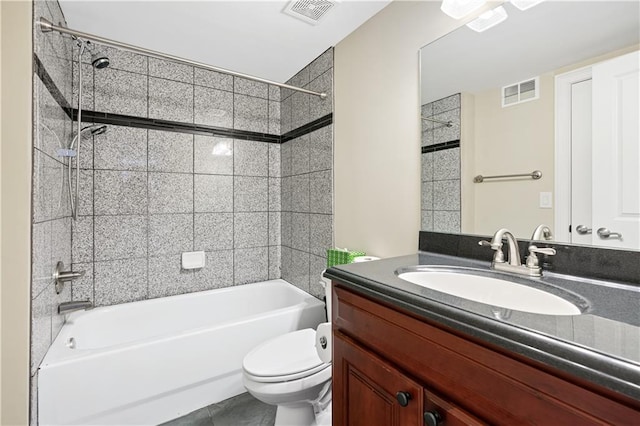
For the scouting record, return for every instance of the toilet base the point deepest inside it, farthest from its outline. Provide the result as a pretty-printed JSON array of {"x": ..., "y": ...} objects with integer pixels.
[{"x": 295, "y": 415}]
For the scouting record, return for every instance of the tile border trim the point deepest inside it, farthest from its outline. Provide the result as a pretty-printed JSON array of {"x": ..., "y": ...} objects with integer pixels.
[{"x": 441, "y": 146}]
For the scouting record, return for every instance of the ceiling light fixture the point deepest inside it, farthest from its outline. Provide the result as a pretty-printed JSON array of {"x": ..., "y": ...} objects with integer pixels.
[
  {"x": 488, "y": 19},
  {"x": 458, "y": 9},
  {"x": 525, "y": 4}
]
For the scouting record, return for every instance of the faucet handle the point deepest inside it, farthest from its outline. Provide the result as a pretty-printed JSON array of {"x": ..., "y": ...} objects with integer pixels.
[
  {"x": 498, "y": 257},
  {"x": 532, "y": 259}
]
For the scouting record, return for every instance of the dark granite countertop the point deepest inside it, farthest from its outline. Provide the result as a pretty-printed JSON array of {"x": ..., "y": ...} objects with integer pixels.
[{"x": 602, "y": 345}]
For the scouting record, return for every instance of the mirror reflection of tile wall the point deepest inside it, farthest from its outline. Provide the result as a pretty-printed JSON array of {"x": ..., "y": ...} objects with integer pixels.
[{"x": 441, "y": 165}]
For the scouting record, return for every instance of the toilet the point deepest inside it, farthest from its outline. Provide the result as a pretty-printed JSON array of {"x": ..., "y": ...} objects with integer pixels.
[{"x": 287, "y": 371}]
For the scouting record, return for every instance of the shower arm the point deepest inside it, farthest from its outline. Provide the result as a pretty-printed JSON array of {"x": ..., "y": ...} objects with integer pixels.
[{"x": 47, "y": 26}]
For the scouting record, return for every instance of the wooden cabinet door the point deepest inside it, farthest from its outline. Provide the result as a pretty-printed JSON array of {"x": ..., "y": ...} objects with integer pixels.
[
  {"x": 438, "y": 411},
  {"x": 369, "y": 392}
]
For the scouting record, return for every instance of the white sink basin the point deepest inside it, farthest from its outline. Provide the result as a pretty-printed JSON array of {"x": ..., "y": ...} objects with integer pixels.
[{"x": 464, "y": 283}]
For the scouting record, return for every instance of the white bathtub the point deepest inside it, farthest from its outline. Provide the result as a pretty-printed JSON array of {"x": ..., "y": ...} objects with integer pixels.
[{"x": 148, "y": 362}]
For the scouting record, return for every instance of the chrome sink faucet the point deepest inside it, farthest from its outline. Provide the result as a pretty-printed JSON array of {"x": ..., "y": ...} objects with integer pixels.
[{"x": 514, "y": 265}]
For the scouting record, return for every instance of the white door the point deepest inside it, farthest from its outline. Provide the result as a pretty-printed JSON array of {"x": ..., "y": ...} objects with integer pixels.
[
  {"x": 581, "y": 152},
  {"x": 616, "y": 152}
]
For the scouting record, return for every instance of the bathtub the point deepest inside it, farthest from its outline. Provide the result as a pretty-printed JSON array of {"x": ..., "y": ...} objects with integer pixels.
[{"x": 152, "y": 361}]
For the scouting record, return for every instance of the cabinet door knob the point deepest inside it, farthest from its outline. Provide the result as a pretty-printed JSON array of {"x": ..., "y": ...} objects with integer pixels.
[
  {"x": 403, "y": 398},
  {"x": 432, "y": 418}
]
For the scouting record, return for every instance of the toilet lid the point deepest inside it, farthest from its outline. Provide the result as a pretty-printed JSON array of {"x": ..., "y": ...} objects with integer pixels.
[{"x": 286, "y": 356}]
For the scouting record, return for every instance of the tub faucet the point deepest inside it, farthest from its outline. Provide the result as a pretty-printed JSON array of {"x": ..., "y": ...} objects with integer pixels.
[
  {"x": 76, "y": 305},
  {"x": 532, "y": 267}
]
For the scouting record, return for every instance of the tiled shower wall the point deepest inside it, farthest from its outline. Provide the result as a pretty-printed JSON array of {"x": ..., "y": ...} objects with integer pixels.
[
  {"x": 307, "y": 178},
  {"x": 51, "y": 229},
  {"x": 149, "y": 195},
  {"x": 441, "y": 166}
]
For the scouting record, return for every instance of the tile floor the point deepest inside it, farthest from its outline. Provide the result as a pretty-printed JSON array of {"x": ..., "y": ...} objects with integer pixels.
[{"x": 242, "y": 410}]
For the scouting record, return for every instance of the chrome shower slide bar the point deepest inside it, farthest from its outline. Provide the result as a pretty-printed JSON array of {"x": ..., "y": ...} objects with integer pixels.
[
  {"x": 47, "y": 26},
  {"x": 446, "y": 123},
  {"x": 536, "y": 174}
]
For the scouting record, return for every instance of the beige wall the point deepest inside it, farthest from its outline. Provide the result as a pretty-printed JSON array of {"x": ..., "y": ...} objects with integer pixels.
[
  {"x": 15, "y": 210},
  {"x": 522, "y": 138},
  {"x": 377, "y": 128}
]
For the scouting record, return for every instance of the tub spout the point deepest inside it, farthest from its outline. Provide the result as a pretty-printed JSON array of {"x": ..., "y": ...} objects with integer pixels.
[{"x": 68, "y": 307}]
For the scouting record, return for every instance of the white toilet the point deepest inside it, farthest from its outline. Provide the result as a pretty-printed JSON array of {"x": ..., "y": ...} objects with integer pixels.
[{"x": 287, "y": 371}]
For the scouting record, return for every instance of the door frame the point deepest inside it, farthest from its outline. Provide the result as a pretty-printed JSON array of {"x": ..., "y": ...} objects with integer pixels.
[{"x": 562, "y": 148}]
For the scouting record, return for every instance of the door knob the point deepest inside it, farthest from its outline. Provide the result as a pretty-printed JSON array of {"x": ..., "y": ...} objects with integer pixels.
[
  {"x": 403, "y": 398},
  {"x": 583, "y": 230},
  {"x": 432, "y": 418},
  {"x": 604, "y": 233}
]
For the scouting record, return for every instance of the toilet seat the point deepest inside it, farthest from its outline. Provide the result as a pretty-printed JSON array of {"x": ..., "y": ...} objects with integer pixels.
[{"x": 288, "y": 357}]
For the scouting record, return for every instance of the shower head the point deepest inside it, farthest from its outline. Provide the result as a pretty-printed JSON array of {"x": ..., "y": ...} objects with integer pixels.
[
  {"x": 99, "y": 60},
  {"x": 95, "y": 129}
]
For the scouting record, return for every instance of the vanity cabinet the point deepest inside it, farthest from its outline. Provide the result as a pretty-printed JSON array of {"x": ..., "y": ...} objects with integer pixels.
[{"x": 392, "y": 367}]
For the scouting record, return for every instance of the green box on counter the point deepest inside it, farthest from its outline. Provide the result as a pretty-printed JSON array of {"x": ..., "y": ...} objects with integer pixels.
[{"x": 341, "y": 256}]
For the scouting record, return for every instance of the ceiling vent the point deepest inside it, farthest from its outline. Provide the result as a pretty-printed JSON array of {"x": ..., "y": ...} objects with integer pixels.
[
  {"x": 309, "y": 11},
  {"x": 524, "y": 91}
]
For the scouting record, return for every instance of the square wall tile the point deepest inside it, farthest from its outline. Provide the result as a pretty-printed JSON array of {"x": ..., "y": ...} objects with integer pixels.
[
  {"x": 170, "y": 70},
  {"x": 321, "y": 234},
  {"x": 41, "y": 260},
  {"x": 167, "y": 278},
  {"x": 300, "y": 155},
  {"x": 251, "y": 194},
  {"x": 85, "y": 191},
  {"x": 446, "y": 104},
  {"x": 286, "y": 200},
  {"x": 446, "y": 221},
  {"x": 120, "y": 192},
  {"x": 121, "y": 148},
  {"x": 213, "y": 231},
  {"x": 121, "y": 92},
  {"x": 300, "y": 270},
  {"x": 250, "y": 230},
  {"x": 42, "y": 195},
  {"x": 426, "y": 197},
  {"x": 170, "y": 193},
  {"x": 300, "y": 193},
  {"x": 319, "y": 107},
  {"x": 275, "y": 254},
  {"x": 82, "y": 239},
  {"x": 88, "y": 94},
  {"x": 82, "y": 288},
  {"x": 446, "y": 164},
  {"x": 52, "y": 126},
  {"x": 275, "y": 161},
  {"x": 251, "y": 88},
  {"x": 218, "y": 270},
  {"x": 285, "y": 228},
  {"x": 442, "y": 133},
  {"x": 285, "y": 158},
  {"x": 251, "y": 265},
  {"x": 427, "y": 138},
  {"x": 274, "y": 93},
  {"x": 321, "y": 64},
  {"x": 446, "y": 195},
  {"x": 170, "y": 234},
  {"x": 170, "y": 152},
  {"x": 300, "y": 231},
  {"x": 427, "y": 167},
  {"x": 170, "y": 100},
  {"x": 40, "y": 327},
  {"x": 251, "y": 158},
  {"x": 321, "y": 149},
  {"x": 274, "y": 118},
  {"x": 301, "y": 79},
  {"x": 426, "y": 110},
  {"x": 320, "y": 192},
  {"x": 122, "y": 60},
  {"x": 285, "y": 263},
  {"x": 113, "y": 287},
  {"x": 213, "y": 193},
  {"x": 251, "y": 114},
  {"x": 120, "y": 237},
  {"x": 213, "y": 155},
  {"x": 275, "y": 220},
  {"x": 426, "y": 223},
  {"x": 213, "y": 107},
  {"x": 286, "y": 115},
  {"x": 300, "y": 112},
  {"x": 275, "y": 194},
  {"x": 213, "y": 79},
  {"x": 57, "y": 320}
]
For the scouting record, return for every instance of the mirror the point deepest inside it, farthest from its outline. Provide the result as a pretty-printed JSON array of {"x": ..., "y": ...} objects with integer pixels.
[{"x": 552, "y": 89}]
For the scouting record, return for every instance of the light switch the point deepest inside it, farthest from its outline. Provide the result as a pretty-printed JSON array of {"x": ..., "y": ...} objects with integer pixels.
[{"x": 546, "y": 200}]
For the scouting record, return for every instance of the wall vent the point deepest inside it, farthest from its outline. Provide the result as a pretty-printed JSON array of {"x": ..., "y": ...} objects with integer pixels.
[
  {"x": 309, "y": 11},
  {"x": 523, "y": 91}
]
